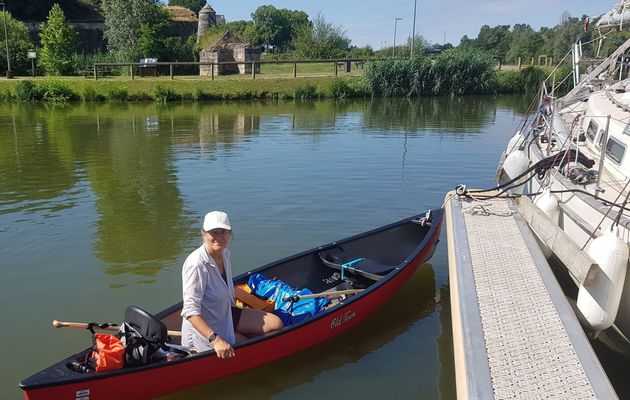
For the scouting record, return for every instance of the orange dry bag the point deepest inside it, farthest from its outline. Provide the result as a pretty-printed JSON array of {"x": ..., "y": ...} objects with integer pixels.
[{"x": 108, "y": 353}]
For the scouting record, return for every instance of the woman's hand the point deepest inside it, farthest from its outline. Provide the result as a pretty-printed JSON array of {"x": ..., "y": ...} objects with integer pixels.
[{"x": 222, "y": 348}]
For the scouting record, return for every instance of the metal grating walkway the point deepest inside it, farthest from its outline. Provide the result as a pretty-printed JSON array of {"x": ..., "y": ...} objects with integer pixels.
[{"x": 515, "y": 335}]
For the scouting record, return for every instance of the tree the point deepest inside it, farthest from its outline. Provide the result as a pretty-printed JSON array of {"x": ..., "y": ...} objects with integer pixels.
[
  {"x": 19, "y": 45},
  {"x": 420, "y": 45},
  {"x": 321, "y": 40},
  {"x": 195, "y": 5},
  {"x": 123, "y": 22},
  {"x": 274, "y": 27},
  {"x": 495, "y": 40},
  {"x": 58, "y": 41},
  {"x": 526, "y": 43}
]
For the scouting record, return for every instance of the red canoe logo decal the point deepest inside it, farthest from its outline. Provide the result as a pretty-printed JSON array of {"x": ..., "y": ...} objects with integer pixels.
[{"x": 342, "y": 319}]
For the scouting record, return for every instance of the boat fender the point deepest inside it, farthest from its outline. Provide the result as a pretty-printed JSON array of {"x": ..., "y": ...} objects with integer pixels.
[
  {"x": 515, "y": 164},
  {"x": 515, "y": 141},
  {"x": 599, "y": 302},
  {"x": 548, "y": 204}
]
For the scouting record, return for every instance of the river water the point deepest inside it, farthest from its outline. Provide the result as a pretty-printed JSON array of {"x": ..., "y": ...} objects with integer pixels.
[{"x": 100, "y": 205}]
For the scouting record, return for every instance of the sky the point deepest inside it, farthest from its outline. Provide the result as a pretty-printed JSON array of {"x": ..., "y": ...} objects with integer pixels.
[{"x": 372, "y": 22}]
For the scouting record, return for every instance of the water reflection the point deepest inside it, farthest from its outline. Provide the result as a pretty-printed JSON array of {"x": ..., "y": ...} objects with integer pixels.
[
  {"x": 127, "y": 158},
  {"x": 345, "y": 354},
  {"x": 35, "y": 159},
  {"x": 443, "y": 114}
]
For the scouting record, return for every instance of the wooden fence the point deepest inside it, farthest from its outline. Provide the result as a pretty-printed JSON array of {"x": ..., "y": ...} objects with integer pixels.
[{"x": 345, "y": 64}]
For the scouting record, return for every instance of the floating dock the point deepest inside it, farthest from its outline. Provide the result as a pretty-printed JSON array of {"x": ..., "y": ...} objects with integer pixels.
[{"x": 514, "y": 333}]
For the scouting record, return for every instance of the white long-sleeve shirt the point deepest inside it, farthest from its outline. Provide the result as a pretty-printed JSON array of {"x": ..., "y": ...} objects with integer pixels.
[{"x": 205, "y": 293}]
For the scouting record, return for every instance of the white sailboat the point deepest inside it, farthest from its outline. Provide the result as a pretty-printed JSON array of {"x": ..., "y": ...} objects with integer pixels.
[{"x": 572, "y": 157}]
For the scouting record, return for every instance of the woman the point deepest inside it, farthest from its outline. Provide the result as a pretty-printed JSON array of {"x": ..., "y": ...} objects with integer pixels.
[{"x": 210, "y": 318}]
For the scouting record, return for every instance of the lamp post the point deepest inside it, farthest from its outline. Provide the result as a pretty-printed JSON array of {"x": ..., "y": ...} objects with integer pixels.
[
  {"x": 6, "y": 43},
  {"x": 395, "y": 27},
  {"x": 413, "y": 30}
]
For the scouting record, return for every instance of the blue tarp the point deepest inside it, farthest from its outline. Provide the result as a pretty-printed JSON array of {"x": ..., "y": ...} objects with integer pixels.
[{"x": 290, "y": 313}]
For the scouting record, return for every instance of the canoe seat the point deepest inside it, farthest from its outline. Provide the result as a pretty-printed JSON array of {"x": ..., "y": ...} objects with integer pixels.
[
  {"x": 150, "y": 327},
  {"x": 338, "y": 258}
]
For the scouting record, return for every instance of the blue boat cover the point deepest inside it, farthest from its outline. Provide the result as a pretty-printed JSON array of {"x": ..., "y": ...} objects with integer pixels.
[{"x": 289, "y": 312}]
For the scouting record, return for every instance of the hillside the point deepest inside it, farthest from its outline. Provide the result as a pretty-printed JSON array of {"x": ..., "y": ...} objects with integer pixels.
[{"x": 37, "y": 10}]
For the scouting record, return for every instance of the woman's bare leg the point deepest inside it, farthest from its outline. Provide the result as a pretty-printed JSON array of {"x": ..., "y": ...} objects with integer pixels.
[{"x": 256, "y": 322}]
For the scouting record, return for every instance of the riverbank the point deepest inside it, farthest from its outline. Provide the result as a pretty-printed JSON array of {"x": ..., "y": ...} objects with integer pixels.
[
  {"x": 194, "y": 88},
  {"x": 164, "y": 89}
]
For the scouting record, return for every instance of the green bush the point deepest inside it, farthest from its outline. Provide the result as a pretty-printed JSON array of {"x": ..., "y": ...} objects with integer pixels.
[
  {"x": 164, "y": 95},
  {"x": 527, "y": 80},
  {"x": 6, "y": 95},
  {"x": 463, "y": 71},
  {"x": 140, "y": 96},
  {"x": 531, "y": 78},
  {"x": 201, "y": 95},
  {"x": 509, "y": 82},
  {"x": 306, "y": 92},
  {"x": 91, "y": 94},
  {"x": 454, "y": 72},
  {"x": 340, "y": 89},
  {"x": 117, "y": 94},
  {"x": 27, "y": 91},
  {"x": 56, "y": 92}
]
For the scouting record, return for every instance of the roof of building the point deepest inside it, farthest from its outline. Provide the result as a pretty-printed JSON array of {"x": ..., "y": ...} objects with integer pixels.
[
  {"x": 181, "y": 14},
  {"x": 212, "y": 40},
  {"x": 207, "y": 9}
]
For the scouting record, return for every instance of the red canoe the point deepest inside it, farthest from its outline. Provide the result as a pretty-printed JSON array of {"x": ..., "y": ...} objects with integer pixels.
[{"x": 388, "y": 257}]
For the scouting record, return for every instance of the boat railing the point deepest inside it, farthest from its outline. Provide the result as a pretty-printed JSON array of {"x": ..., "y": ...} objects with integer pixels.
[{"x": 615, "y": 101}]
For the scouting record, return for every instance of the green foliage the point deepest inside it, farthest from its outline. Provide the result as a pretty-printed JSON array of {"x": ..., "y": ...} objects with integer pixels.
[
  {"x": 19, "y": 45},
  {"x": 117, "y": 93},
  {"x": 240, "y": 29},
  {"x": 90, "y": 94},
  {"x": 274, "y": 27},
  {"x": 26, "y": 91},
  {"x": 525, "y": 43},
  {"x": 56, "y": 92},
  {"x": 134, "y": 27},
  {"x": 463, "y": 71},
  {"x": 58, "y": 43},
  {"x": 140, "y": 96},
  {"x": 163, "y": 95},
  {"x": 454, "y": 72},
  {"x": 321, "y": 40},
  {"x": 202, "y": 95},
  {"x": 340, "y": 89},
  {"x": 400, "y": 77},
  {"x": 82, "y": 62},
  {"x": 37, "y": 10},
  {"x": 361, "y": 52},
  {"x": 531, "y": 78},
  {"x": 195, "y": 5},
  {"x": 527, "y": 80},
  {"x": 6, "y": 95},
  {"x": 306, "y": 92}
]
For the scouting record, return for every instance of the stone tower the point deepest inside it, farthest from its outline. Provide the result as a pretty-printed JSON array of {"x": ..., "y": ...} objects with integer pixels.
[{"x": 207, "y": 18}]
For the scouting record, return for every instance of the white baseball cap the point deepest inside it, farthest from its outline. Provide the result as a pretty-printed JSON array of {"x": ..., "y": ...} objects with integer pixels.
[{"x": 216, "y": 219}]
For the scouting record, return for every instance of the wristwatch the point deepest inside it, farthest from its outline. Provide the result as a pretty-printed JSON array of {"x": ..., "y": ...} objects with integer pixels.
[{"x": 212, "y": 337}]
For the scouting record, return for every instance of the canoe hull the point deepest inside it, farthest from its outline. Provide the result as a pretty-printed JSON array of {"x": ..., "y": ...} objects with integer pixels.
[{"x": 178, "y": 375}]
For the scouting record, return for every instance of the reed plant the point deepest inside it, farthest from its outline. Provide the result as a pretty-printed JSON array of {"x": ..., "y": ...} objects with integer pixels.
[
  {"x": 54, "y": 91},
  {"x": 454, "y": 72}
]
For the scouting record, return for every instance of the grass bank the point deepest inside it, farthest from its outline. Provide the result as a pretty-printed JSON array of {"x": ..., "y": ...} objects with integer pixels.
[
  {"x": 395, "y": 78},
  {"x": 164, "y": 89}
]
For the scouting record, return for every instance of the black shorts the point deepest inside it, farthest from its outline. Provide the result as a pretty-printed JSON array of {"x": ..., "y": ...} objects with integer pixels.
[{"x": 236, "y": 316}]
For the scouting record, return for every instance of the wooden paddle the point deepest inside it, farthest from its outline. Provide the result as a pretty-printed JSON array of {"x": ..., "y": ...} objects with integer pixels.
[
  {"x": 329, "y": 295},
  {"x": 83, "y": 325}
]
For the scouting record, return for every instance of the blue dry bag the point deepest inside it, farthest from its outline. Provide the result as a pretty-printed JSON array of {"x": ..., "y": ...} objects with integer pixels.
[{"x": 289, "y": 312}]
